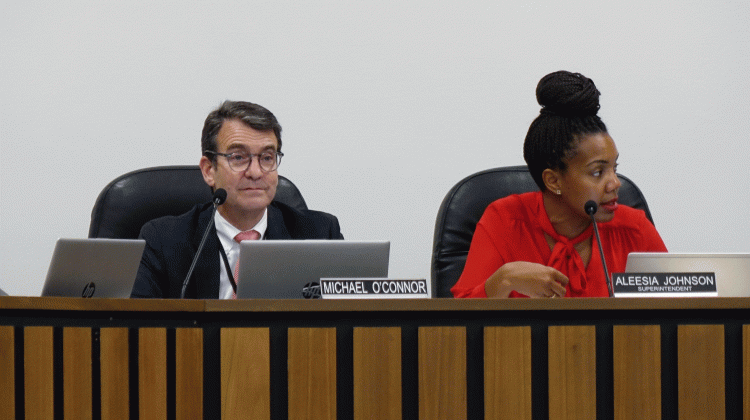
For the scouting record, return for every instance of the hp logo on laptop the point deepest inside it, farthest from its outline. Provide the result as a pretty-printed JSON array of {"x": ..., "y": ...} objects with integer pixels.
[
  {"x": 311, "y": 291},
  {"x": 88, "y": 290}
]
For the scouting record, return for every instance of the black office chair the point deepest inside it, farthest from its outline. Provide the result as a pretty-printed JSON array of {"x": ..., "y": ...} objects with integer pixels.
[
  {"x": 131, "y": 200},
  {"x": 464, "y": 205}
]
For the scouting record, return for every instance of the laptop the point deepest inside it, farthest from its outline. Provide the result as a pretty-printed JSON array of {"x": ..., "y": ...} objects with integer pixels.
[
  {"x": 95, "y": 267},
  {"x": 732, "y": 269},
  {"x": 292, "y": 269}
]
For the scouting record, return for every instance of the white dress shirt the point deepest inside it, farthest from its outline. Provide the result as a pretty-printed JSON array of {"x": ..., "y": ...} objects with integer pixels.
[{"x": 226, "y": 232}]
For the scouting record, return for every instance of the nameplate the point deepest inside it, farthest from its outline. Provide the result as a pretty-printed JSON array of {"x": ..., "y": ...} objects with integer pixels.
[
  {"x": 373, "y": 288},
  {"x": 664, "y": 284}
]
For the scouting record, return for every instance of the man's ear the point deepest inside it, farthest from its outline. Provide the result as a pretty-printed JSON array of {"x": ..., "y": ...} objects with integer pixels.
[
  {"x": 552, "y": 181},
  {"x": 207, "y": 170}
]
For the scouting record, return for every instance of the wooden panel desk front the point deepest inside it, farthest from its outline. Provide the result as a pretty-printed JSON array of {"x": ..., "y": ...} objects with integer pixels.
[{"x": 384, "y": 359}]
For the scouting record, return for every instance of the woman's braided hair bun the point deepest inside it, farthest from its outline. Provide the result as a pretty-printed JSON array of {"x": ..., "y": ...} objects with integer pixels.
[{"x": 567, "y": 94}]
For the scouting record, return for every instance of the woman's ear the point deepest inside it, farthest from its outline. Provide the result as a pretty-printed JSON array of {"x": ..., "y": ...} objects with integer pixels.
[{"x": 552, "y": 181}]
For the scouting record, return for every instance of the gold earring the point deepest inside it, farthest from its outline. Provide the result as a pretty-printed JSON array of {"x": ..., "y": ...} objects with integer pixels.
[{"x": 558, "y": 192}]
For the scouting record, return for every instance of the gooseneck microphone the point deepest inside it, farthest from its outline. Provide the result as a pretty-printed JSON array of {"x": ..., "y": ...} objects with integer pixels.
[
  {"x": 220, "y": 196},
  {"x": 591, "y": 207}
]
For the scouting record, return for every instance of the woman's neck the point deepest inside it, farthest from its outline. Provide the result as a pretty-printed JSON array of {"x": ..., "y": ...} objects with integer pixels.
[{"x": 565, "y": 222}]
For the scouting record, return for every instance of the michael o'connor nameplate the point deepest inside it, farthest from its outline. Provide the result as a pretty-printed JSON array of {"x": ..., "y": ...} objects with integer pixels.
[
  {"x": 664, "y": 284},
  {"x": 374, "y": 288}
]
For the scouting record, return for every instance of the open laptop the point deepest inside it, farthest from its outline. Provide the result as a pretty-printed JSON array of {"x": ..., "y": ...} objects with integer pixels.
[
  {"x": 292, "y": 269},
  {"x": 95, "y": 267},
  {"x": 732, "y": 269}
]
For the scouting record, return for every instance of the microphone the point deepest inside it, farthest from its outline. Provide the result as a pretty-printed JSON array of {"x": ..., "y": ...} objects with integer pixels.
[
  {"x": 220, "y": 196},
  {"x": 591, "y": 207}
]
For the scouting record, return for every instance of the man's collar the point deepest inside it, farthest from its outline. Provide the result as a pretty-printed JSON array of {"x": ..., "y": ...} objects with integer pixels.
[{"x": 227, "y": 231}]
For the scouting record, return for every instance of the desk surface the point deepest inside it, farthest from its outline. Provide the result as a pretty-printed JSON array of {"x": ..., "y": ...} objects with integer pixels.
[{"x": 368, "y": 305}]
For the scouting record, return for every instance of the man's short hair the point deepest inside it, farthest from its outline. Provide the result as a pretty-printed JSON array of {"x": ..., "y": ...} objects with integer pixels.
[{"x": 252, "y": 115}]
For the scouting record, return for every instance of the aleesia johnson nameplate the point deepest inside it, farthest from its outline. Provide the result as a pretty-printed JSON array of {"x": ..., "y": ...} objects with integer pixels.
[{"x": 664, "y": 284}]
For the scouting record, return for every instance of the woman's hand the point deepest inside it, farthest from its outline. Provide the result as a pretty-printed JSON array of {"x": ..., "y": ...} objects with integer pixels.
[{"x": 530, "y": 279}]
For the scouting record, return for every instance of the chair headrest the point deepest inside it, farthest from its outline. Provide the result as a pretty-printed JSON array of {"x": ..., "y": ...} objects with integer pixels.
[{"x": 133, "y": 199}]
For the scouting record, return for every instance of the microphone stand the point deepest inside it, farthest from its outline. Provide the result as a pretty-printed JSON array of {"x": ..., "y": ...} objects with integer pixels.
[
  {"x": 219, "y": 197},
  {"x": 591, "y": 207}
]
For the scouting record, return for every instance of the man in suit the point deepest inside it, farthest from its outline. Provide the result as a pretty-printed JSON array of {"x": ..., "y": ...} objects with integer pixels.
[{"x": 241, "y": 145}]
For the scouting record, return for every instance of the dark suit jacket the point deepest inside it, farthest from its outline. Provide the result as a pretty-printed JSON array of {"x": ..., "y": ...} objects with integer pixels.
[{"x": 172, "y": 241}]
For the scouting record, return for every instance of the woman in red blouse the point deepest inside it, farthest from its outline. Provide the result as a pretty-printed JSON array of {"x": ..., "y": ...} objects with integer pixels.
[{"x": 541, "y": 244}]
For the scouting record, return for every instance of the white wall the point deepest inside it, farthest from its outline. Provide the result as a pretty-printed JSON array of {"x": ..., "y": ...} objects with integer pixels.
[{"x": 394, "y": 101}]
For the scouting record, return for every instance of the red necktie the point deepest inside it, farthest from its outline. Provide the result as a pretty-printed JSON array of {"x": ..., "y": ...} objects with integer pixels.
[{"x": 248, "y": 235}]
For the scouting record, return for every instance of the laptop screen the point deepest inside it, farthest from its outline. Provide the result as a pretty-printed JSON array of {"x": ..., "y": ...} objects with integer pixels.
[
  {"x": 93, "y": 267},
  {"x": 732, "y": 269},
  {"x": 292, "y": 269}
]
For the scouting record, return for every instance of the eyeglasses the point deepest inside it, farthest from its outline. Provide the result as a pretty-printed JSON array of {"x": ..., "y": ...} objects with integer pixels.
[{"x": 240, "y": 161}]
